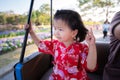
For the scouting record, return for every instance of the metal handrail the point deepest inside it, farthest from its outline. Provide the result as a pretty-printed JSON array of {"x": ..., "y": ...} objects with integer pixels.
[
  {"x": 51, "y": 19},
  {"x": 27, "y": 30},
  {"x": 26, "y": 33}
]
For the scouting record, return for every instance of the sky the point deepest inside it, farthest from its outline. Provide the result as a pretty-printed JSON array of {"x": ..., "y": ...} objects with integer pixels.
[{"x": 22, "y": 6}]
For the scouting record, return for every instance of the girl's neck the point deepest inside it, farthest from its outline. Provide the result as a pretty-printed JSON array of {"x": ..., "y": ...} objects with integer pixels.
[{"x": 68, "y": 43}]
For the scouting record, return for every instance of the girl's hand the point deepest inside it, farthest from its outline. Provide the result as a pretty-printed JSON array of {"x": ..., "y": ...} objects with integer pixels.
[
  {"x": 90, "y": 39},
  {"x": 29, "y": 26}
]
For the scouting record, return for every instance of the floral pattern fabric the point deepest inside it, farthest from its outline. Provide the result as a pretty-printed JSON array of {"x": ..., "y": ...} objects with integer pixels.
[{"x": 69, "y": 62}]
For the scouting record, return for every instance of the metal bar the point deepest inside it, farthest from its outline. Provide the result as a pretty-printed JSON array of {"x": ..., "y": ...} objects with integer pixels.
[
  {"x": 51, "y": 20},
  {"x": 51, "y": 57},
  {"x": 26, "y": 33}
]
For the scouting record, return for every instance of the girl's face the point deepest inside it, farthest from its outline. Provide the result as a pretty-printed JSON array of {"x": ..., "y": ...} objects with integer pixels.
[{"x": 63, "y": 32}]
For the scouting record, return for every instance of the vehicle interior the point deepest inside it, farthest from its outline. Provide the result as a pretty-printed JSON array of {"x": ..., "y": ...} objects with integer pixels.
[{"x": 38, "y": 66}]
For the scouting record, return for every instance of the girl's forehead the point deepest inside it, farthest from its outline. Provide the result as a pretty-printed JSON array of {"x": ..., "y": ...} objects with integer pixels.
[{"x": 59, "y": 22}]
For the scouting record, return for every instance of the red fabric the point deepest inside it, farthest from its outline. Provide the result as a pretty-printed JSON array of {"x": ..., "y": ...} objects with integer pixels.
[{"x": 69, "y": 62}]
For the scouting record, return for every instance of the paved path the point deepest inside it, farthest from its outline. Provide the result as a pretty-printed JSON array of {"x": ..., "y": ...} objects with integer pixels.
[
  {"x": 10, "y": 74},
  {"x": 99, "y": 36}
]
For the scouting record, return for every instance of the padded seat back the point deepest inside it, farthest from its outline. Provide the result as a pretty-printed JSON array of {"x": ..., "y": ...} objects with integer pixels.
[{"x": 102, "y": 56}]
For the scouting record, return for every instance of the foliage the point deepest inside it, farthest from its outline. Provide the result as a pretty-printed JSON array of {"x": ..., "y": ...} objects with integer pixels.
[
  {"x": 99, "y": 3},
  {"x": 102, "y": 3},
  {"x": 41, "y": 16},
  {"x": 82, "y": 2},
  {"x": 7, "y": 45},
  {"x": 2, "y": 18},
  {"x": 13, "y": 33},
  {"x": 45, "y": 8},
  {"x": 8, "y": 18}
]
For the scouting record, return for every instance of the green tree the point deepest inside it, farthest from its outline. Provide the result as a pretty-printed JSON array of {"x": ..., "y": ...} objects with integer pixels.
[
  {"x": 34, "y": 16},
  {"x": 2, "y": 19},
  {"x": 41, "y": 16},
  {"x": 22, "y": 19},
  {"x": 103, "y": 3},
  {"x": 10, "y": 19},
  {"x": 44, "y": 19},
  {"x": 82, "y": 2},
  {"x": 97, "y": 3},
  {"x": 45, "y": 8}
]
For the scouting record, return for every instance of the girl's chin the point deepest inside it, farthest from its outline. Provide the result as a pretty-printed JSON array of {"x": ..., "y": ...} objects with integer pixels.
[{"x": 60, "y": 40}]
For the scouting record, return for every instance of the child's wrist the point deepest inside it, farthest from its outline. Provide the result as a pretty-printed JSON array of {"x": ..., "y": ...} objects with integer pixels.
[
  {"x": 30, "y": 31},
  {"x": 92, "y": 44}
]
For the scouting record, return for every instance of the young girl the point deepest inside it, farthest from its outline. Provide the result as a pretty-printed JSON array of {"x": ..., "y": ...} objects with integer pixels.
[{"x": 71, "y": 57}]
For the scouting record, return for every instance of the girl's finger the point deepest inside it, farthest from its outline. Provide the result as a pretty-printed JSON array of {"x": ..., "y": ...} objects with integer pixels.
[
  {"x": 26, "y": 26},
  {"x": 87, "y": 37},
  {"x": 30, "y": 23},
  {"x": 91, "y": 31}
]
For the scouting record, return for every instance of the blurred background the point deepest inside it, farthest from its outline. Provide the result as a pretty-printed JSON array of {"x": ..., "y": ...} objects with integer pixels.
[{"x": 13, "y": 17}]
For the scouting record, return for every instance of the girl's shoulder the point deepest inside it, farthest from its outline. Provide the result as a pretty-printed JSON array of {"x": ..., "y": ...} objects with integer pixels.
[
  {"x": 49, "y": 41},
  {"x": 82, "y": 43},
  {"x": 55, "y": 41},
  {"x": 84, "y": 47}
]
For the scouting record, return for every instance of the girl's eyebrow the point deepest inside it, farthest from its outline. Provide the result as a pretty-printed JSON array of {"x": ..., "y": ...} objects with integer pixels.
[{"x": 57, "y": 26}]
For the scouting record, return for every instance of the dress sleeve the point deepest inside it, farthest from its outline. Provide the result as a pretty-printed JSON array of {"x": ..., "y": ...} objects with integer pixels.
[
  {"x": 83, "y": 57},
  {"x": 46, "y": 47}
]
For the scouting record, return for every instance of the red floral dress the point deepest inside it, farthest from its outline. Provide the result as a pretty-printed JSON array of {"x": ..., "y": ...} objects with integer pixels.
[{"x": 69, "y": 62}]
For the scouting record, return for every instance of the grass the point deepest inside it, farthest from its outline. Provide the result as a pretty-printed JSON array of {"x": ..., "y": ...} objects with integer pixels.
[{"x": 12, "y": 56}]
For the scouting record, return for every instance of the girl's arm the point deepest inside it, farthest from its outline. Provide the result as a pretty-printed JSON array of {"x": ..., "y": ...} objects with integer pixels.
[
  {"x": 92, "y": 54},
  {"x": 43, "y": 46},
  {"x": 32, "y": 34}
]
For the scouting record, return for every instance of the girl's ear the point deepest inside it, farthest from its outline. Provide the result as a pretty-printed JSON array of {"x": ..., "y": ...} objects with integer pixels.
[{"x": 75, "y": 32}]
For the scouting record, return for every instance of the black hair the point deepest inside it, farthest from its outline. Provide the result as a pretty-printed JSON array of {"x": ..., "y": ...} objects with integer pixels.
[{"x": 74, "y": 21}]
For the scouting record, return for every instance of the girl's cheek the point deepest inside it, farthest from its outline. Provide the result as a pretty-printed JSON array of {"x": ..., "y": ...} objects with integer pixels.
[
  {"x": 61, "y": 33},
  {"x": 56, "y": 32}
]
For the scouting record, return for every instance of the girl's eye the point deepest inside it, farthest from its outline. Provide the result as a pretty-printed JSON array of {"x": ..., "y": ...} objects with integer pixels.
[
  {"x": 61, "y": 29},
  {"x": 54, "y": 28}
]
